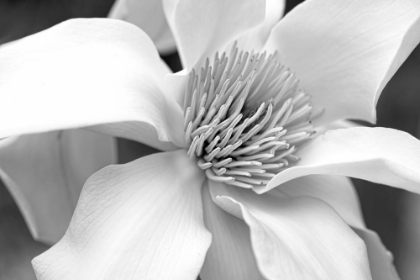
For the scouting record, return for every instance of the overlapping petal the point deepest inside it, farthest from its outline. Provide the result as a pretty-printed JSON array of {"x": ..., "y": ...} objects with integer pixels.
[
  {"x": 230, "y": 255},
  {"x": 255, "y": 38},
  {"x": 337, "y": 191},
  {"x": 175, "y": 85},
  {"x": 381, "y": 155},
  {"x": 344, "y": 52},
  {"x": 336, "y": 125},
  {"x": 46, "y": 172},
  {"x": 202, "y": 27},
  {"x": 149, "y": 16},
  {"x": 141, "y": 220},
  {"x": 296, "y": 238},
  {"x": 380, "y": 259},
  {"x": 88, "y": 72}
]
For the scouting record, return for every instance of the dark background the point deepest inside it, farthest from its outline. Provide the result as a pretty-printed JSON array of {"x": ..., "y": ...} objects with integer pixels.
[{"x": 387, "y": 210}]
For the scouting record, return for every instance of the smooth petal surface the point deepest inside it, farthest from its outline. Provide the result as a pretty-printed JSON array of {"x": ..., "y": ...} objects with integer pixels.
[
  {"x": 296, "y": 238},
  {"x": 149, "y": 16},
  {"x": 337, "y": 191},
  {"x": 175, "y": 85},
  {"x": 320, "y": 130},
  {"x": 344, "y": 52},
  {"x": 45, "y": 174},
  {"x": 141, "y": 220},
  {"x": 202, "y": 27},
  {"x": 88, "y": 72},
  {"x": 380, "y": 259},
  {"x": 230, "y": 255},
  {"x": 256, "y": 38},
  {"x": 381, "y": 155}
]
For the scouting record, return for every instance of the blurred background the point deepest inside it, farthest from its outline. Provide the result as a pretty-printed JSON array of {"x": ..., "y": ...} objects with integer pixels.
[{"x": 394, "y": 214}]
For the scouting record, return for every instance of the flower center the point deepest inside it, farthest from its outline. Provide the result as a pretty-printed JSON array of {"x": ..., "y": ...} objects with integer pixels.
[{"x": 245, "y": 117}]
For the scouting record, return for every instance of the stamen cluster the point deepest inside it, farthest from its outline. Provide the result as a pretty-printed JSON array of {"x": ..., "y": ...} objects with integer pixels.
[{"x": 244, "y": 118}]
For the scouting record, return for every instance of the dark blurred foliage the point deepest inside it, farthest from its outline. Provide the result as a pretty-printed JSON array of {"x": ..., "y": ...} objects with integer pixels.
[
  {"x": 17, "y": 247},
  {"x": 19, "y": 18},
  {"x": 383, "y": 207}
]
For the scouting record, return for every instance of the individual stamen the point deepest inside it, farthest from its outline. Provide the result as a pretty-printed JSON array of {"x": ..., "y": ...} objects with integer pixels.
[
  {"x": 269, "y": 146},
  {"x": 230, "y": 128},
  {"x": 219, "y": 164},
  {"x": 219, "y": 172},
  {"x": 249, "y": 170},
  {"x": 228, "y": 150},
  {"x": 210, "y": 174},
  {"x": 244, "y": 150},
  {"x": 243, "y": 163},
  {"x": 265, "y": 175},
  {"x": 187, "y": 135},
  {"x": 295, "y": 135},
  {"x": 245, "y": 117},
  {"x": 212, "y": 144},
  {"x": 204, "y": 164},
  {"x": 225, "y": 138},
  {"x": 193, "y": 147},
  {"x": 270, "y": 166},
  {"x": 280, "y": 156},
  {"x": 200, "y": 130},
  {"x": 300, "y": 113},
  {"x": 251, "y": 181},
  {"x": 240, "y": 184},
  {"x": 254, "y": 142},
  {"x": 238, "y": 173},
  {"x": 293, "y": 157},
  {"x": 198, "y": 118},
  {"x": 256, "y": 157},
  {"x": 211, "y": 156}
]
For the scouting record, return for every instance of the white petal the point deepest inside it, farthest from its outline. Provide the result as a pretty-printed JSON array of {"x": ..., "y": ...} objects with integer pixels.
[
  {"x": 149, "y": 16},
  {"x": 320, "y": 130},
  {"x": 141, "y": 220},
  {"x": 202, "y": 27},
  {"x": 255, "y": 38},
  {"x": 88, "y": 72},
  {"x": 230, "y": 255},
  {"x": 380, "y": 259},
  {"x": 381, "y": 155},
  {"x": 175, "y": 85},
  {"x": 46, "y": 172},
  {"x": 296, "y": 238},
  {"x": 337, "y": 191},
  {"x": 344, "y": 52}
]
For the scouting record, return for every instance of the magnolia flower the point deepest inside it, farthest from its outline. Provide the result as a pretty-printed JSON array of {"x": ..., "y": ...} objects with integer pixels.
[{"x": 188, "y": 211}]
